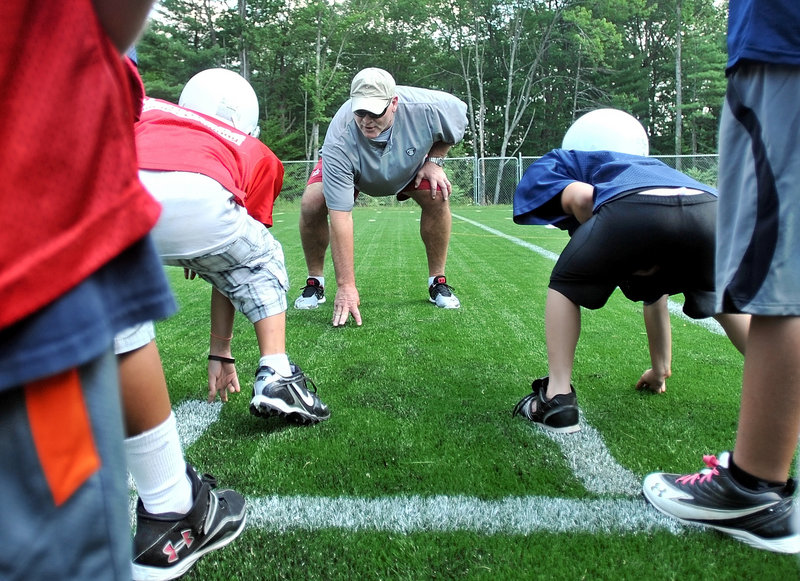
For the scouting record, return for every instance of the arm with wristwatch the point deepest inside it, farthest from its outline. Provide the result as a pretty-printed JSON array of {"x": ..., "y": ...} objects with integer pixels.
[{"x": 432, "y": 170}]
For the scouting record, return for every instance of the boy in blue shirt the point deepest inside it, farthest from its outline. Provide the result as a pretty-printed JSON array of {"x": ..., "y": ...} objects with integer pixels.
[{"x": 636, "y": 224}]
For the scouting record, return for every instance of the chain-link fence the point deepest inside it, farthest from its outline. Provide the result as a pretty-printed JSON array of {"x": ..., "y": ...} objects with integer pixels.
[{"x": 489, "y": 180}]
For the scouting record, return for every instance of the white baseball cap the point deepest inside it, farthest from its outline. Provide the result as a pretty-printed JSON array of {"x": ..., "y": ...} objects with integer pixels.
[{"x": 372, "y": 90}]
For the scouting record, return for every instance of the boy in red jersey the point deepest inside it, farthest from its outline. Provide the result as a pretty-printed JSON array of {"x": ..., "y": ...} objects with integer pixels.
[
  {"x": 217, "y": 184},
  {"x": 180, "y": 515}
]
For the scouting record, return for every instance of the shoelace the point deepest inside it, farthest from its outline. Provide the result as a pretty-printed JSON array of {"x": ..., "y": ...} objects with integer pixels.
[
  {"x": 442, "y": 289},
  {"x": 704, "y": 475}
]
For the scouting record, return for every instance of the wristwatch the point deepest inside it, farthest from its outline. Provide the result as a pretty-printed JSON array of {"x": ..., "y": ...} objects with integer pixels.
[{"x": 437, "y": 160}]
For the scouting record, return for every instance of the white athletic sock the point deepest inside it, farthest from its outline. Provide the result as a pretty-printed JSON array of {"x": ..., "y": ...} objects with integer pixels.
[
  {"x": 430, "y": 281},
  {"x": 321, "y": 280},
  {"x": 155, "y": 460},
  {"x": 278, "y": 361}
]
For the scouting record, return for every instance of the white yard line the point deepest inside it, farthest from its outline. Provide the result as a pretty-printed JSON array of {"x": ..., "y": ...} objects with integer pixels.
[
  {"x": 584, "y": 452},
  {"x": 409, "y": 514},
  {"x": 591, "y": 462}
]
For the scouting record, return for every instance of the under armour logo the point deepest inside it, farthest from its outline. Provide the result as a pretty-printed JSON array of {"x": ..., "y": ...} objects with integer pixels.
[
  {"x": 171, "y": 551},
  {"x": 411, "y": 151}
]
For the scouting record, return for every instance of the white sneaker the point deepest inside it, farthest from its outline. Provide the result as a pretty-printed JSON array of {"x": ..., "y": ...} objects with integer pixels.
[
  {"x": 313, "y": 295},
  {"x": 442, "y": 294}
]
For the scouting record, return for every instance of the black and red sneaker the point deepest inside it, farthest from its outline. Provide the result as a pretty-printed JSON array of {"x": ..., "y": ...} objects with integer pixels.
[
  {"x": 166, "y": 546},
  {"x": 312, "y": 296},
  {"x": 442, "y": 294}
]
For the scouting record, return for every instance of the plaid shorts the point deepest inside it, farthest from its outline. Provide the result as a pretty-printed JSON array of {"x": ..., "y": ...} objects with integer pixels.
[{"x": 250, "y": 271}]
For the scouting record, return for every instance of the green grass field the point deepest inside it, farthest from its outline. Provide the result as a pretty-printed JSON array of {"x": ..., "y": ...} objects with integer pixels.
[{"x": 421, "y": 472}]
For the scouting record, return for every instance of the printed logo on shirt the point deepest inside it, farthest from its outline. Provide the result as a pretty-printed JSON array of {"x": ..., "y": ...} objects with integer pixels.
[
  {"x": 411, "y": 151},
  {"x": 222, "y": 131}
]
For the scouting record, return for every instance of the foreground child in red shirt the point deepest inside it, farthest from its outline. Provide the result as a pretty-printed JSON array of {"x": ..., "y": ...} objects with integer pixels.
[{"x": 73, "y": 228}]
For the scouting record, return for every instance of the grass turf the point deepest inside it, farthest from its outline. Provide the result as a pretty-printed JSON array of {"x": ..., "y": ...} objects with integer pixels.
[{"x": 421, "y": 401}]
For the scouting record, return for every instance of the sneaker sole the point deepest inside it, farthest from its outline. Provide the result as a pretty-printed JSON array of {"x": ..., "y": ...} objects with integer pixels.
[
  {"x": 789, "y": 545},
  {"x": 455, "y": 306},
  {"x": 144, "y": 573},
  {"x": 265, "y": 407},
  {"x": 309, "y": 307},
  {"x": 561, "y": 430}
]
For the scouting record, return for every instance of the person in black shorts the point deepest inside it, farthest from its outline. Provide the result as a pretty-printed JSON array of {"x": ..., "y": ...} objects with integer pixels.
[{"x": 636, "y": 224}]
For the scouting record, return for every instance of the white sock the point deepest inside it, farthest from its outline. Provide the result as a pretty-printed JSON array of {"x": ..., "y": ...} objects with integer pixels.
[
  {"x": 278, "y": 361},
  {"x": 430, "y": 281},
  {"x": 155, "y": 460},
  {"x": 321, "y": 280}
]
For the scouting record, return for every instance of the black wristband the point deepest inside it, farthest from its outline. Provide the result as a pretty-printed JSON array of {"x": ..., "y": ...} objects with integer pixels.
[{"x": 221, "y": 358}]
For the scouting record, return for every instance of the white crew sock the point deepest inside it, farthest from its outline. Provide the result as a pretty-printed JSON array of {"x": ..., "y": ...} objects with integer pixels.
[
  {"x": 278, "y": 361},
  {"x": 155, "y": 460}
]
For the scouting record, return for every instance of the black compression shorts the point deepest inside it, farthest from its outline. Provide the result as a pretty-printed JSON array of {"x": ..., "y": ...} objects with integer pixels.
[{"x": 646, "y": 245}]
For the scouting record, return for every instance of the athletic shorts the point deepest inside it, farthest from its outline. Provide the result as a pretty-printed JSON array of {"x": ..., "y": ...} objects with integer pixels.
[
  {"x": 758, "y": 248},
  {"x": 134, "y": 338},
  {"x": 64, "y": 478},
  {"x": 425, "y": 185},
  {"x": 250, "y": 271},
  {"x": 646, "y": 245}
]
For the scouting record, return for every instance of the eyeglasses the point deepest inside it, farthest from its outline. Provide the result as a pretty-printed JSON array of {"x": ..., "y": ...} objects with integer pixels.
[{"x": 365, "y": 113}]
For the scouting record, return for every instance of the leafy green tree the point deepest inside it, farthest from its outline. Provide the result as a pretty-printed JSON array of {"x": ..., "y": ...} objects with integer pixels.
[
  {"x": 180, "y": 41},
  {"x": 704, "y": 79},
  {"x": 526, "y": 68}
]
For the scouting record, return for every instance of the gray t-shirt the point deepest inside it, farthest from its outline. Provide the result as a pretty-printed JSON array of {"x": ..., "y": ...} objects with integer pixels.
[{"x": 383, "y": 167}]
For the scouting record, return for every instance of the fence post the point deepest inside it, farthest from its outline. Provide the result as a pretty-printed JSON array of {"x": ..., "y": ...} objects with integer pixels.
[{"x": 475, "y": 181}]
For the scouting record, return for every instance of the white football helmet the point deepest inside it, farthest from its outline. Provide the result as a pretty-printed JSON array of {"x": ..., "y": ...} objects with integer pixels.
[
  {"x": 607, "y": 129},
  {"x": 224, "y": 95}
]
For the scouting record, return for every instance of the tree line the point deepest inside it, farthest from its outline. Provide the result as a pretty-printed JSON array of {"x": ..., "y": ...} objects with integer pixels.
[{"x": 525, "y": 68}]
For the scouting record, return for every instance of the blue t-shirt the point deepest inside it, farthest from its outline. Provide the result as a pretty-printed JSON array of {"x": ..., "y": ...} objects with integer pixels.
[
  {"x": 612, "y": 174},
  {"x": 765, "y": 31},
  {"x": 81, "y": 325}
]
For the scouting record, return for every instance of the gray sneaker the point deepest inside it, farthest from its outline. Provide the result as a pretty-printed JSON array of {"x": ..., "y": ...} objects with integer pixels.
[
  {"x": 288, "y": 397},
  {"x": 313, "y": 295},
  {"x": 765, "y": 519}
]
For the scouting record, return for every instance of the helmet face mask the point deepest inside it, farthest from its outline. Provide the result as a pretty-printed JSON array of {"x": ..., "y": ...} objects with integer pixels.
[
  {"x": 224, "y": 95},
  {"x": 607, "y": 130}
]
